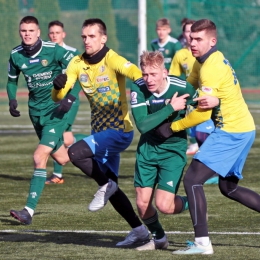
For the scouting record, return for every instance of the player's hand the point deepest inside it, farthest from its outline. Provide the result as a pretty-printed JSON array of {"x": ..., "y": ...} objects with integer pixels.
[
  {"x": 66, "y": 103},
  {"x": 164, "y": 130},
  {"x": 206, "y": 102},
  {"x": 179, "y": 103},
  {"x": 12, "y": 108},
  {"x": 60, "y": 81}
]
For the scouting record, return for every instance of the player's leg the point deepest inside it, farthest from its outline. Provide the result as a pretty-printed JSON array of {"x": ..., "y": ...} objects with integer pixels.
[
  {"x": 123, "y": 206},
  {"x": 51, "y": 141},
  {"x": 194, "y": 179},
  {"x": 145, "y": 180},
  {"x": 171, "y": 163}
]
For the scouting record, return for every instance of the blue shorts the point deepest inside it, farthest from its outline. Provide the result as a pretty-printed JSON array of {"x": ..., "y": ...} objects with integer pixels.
[
  {"x": 107, "y": 146},
  {"x": 225, "y": 153},
  {"x": 205, "y": 127}
]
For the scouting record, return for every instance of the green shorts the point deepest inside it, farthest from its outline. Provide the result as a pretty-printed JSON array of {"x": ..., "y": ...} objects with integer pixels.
[
  {"x": 49, "y": 130},
  {"x": 161, "y": 164}
]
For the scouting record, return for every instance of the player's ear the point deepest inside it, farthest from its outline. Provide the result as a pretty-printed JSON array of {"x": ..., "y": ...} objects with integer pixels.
[
  {"x": 63, "y": 35},
  {"x": 38, "y": 33},
  {"x": 103, "y": 39},
  {"x": 213, "y": 41}
]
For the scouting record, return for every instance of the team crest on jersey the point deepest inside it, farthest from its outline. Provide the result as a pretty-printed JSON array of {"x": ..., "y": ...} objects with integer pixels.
[
  {"x": 166, "y": 51},
  {"x": 185, "y": 66},
  {"x": 207, "y": 90},
  {"x": 83, "y": 78},
  {"x": 133, "y": 97},
  {"x": 167, "y": 101},
  {"x": 44, "y": 63},
  {"x": 102, "y": 68}
]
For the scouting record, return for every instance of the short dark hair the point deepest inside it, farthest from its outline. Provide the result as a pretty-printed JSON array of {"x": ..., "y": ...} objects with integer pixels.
[
  {"x": 29, "y": 19},
  {"x": 184, "y": 20},
  {"x": 204, "y": 24},
  {"x": 98, "y": 22},
  {"x": 187, "y": 22},
  {"x": 55, "y": 22}
]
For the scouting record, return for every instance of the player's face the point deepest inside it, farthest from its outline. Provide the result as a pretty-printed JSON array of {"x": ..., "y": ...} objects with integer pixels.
[
  {"x": 155, "y": 78},
  {"x": 93, "y": 40},
  {"x": 186, "y": 33},
  {"x": 56, "y": 34},
  {"x": 201, "y": 43},
  {"x": 163, "y": 32},
  {"x": 29, "y": 33}
]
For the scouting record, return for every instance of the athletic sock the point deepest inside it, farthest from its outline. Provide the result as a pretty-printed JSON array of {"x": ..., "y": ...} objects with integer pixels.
[
  {"x": 36, "y": 187},
  {"x": 154, "y": 226},
  {"x": 184, "y": 200},
  {"x": 204, "y": 241},
  {"x": 123, "y": 206},
  {"x": 57, "y": 169}
]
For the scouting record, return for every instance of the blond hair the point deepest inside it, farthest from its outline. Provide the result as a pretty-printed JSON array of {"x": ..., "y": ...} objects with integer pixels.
[{"x": 152, "y": 58}]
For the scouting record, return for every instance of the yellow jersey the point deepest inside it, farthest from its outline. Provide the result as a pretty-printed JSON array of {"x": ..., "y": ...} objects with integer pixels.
[
  {"x": 216, "y": 77},
  {"x": 182, "y": 62},
  {"x": 104, "y": 85}
]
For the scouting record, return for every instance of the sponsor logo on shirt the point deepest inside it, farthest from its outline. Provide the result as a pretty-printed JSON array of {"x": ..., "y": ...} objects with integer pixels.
[
  {"x": 133, "y": 97},
  {"x": 44, "y": 63},
  {"x": 44, "y": 75},
  {"x": 103, "y": 89},
  {"x": 102, "y": 79},
  {"x": 83, "y": 78},
  {"x": 167, "y": 60},
  {"x": 34, "y": 61},
  {"x": 161, "y": 49},
  {"x": 102, "y": 68},
  {"x": 159, "y": 101},
  {"x": 128, "y": 64},
  {"x": 207, "y": 90}
]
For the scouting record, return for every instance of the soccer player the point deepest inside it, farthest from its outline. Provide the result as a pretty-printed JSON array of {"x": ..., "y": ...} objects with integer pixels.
[
  {"x": 225, "y": 150},
  {"x": 39, "y": 61},
  {"x": 159, "y": 161},
  {"x": 57, "y": 35},
  {"x": 182, "y": 63},
  {"x": 102, "y": 73},
  {"x": 165, "y": 43}
]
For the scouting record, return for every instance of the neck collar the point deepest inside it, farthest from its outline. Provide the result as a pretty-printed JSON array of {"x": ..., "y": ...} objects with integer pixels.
[
  {"x": 32, "y": 49},
  {"x": 206, "y": 55},
  {"x": 97, "y": 57}
]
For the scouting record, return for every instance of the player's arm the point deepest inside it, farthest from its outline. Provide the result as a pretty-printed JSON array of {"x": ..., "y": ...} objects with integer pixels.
[
  {"x": 144, "y": 121},
  {"x": 11, "y": 87},
  {"x": 64, "y": 83},
  {"x": 124, "y": 67}
]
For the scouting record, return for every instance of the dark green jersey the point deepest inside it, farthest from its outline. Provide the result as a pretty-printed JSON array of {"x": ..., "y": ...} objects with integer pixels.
[
  {"x": 39, "y": 71},
  {"x": 168, "y": 49},
  {"x": 150, "y": 109}
]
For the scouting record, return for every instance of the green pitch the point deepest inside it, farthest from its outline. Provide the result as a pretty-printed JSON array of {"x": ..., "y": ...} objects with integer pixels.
[{"x": 62, "y": 226}]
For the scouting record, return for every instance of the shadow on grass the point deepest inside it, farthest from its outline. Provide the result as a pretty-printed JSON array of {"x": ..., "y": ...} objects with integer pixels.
[{"x": 15, "y": 178}]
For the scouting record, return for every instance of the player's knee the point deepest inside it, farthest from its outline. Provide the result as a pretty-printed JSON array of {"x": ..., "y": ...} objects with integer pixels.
[
  {"x": 141, "y": 207},
  {"x": 79, "y": 151},
  {"x": 165, "y": 208}
]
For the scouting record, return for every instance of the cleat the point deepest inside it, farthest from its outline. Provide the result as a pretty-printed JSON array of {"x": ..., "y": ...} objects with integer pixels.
[
  {"x": 138, "y": 235},
  {"x": 212, "y": 180},
  {"x": 192, "y": 149},
  {"x": 23, "y": 216},
  {"x": 195, "y": 248},
  {"x": 54, "y": 179},
  {"x": 102, "y": 196},
  {"x": 155, "y": 244}
]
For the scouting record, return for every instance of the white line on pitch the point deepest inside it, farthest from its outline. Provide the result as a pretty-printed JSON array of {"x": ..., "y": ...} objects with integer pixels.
[{"x": 118, "y": 232}]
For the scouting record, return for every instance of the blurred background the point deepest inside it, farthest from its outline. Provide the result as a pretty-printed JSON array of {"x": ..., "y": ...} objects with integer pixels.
[{"x": 238, "y": 24}]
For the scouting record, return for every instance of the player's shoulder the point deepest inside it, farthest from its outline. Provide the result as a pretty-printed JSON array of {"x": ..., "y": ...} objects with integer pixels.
[
  {"x": 49, "y": 44},
  {"x": 69, "y": 48},
  {"x": 173, "y": 40},
  {"x": 17, "y": 49},
  {"x": 155, "y": 41},
  {"x": 177, "y": 81}
]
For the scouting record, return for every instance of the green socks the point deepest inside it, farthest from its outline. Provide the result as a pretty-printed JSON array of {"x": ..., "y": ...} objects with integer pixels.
[{"x": 36, "y": 187}]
